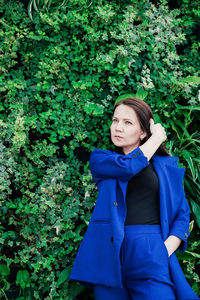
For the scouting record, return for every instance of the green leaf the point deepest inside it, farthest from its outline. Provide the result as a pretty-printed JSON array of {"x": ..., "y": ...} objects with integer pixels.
[
  {"x": 75, "y": 290},
  {"x": 123, "y": 97},
  {"x": 4, "y": 270},
  {"x": 63, "y": 275},
  {"x": 196, "y": 211},
  {"x": 191, "y": 79},
  {"x": 196, "y": 287},
  {"x": 23, "y": 278},
  {"x": 35, "y": 5},
  {"x": 5, "y": 285},
  {"x": 187, "y": 255},
  {"x": 30, "y": 4},
  {"x": 192, "y": 107},
  {"x": 191, "y": 166},
  {"x": 157, "y": 118},
  {"x": 79, "y": 228},
  {"x": 191, "y": 226},
  {"x": 141, "y": 94}
]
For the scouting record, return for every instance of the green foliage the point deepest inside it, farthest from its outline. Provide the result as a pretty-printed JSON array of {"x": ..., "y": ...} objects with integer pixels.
[
  {"x": 190, "y": 262},
  {"x": 4, "y": 284},
  {"x": 141, "y": 94},
  {"x": 45, "y": 4},
  {"x": 61, "y": 70}
]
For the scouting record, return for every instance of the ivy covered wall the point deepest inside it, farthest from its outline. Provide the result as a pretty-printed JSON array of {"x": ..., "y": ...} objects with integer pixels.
[{"x": 62, "y": 66}]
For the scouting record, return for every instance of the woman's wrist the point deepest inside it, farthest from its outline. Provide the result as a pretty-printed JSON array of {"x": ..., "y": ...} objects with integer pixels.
[{"x": 151, "y": 145}]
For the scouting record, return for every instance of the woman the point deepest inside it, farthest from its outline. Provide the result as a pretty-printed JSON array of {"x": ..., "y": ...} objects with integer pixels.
[{"x": 141, "y": 215}]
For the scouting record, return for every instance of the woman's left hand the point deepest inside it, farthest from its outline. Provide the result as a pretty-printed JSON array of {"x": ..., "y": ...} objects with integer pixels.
[{"x": 172, "y": 243}]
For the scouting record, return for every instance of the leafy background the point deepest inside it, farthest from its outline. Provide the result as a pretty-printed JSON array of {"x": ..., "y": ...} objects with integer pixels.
[{"x": 62, "y": 66}]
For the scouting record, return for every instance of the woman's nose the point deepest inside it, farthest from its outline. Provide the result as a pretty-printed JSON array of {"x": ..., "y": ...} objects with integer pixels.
[{"x": 119, "y": 126}]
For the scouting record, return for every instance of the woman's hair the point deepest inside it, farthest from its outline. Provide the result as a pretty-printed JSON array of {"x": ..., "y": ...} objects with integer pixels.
[{"x": 144, "y": 114}]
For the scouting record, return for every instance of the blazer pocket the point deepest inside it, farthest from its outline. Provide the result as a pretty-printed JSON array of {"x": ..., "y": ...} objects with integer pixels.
[{"x": 101, "y": 221}]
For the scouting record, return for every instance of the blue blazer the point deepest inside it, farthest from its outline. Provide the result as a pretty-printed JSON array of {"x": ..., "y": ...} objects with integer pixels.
[{"x": 98, "y": 257}]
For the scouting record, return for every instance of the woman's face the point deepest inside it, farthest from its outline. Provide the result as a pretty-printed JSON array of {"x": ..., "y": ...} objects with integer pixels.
[{"x": 125, "y": 129}]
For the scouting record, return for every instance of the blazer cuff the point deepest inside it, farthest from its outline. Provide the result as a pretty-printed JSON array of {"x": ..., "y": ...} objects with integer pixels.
[{"x": 142, "y": 162}]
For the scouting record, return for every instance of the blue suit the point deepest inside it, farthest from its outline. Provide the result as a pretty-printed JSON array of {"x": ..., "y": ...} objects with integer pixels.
[{"x": 98, "y": 258}]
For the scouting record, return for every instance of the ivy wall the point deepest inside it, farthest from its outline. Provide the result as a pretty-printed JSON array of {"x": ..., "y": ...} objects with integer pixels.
[{"x": 62, "y": 66}]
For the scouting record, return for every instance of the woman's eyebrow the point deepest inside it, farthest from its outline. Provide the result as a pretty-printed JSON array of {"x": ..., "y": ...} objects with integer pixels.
[{"x": 123, "y": 119}]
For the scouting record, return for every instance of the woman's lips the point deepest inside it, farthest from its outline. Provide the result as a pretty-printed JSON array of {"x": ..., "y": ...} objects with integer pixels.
[{"x": 118, "y": 137}]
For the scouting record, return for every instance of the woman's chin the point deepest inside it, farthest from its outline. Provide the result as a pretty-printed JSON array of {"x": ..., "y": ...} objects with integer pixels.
[{"x": 118, "y": 143}]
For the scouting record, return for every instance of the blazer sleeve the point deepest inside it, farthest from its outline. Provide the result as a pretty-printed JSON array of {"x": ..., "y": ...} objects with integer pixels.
[
  {"x": 106, "y": 164},
  {"x": 180, "y": 226}
]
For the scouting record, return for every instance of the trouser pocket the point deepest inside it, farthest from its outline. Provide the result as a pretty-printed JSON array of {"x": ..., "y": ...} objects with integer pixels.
[
  {"x": 146, "y": 257},
  {"x": 159, "y": 255}
]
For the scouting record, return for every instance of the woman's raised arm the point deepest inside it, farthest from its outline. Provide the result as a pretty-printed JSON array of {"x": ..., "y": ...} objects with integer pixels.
[
  {"x": 158, "y": 136},
  {"x": 106, "y": 164}
]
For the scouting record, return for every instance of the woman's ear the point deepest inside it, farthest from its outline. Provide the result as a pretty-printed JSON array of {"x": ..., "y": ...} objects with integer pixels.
[{"x": 143, "y": 135}]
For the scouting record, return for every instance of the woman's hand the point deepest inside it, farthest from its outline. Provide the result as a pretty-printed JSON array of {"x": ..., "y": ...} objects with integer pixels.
[
  {"x": 158, "y": 136},
  {"x": 158, "y": 130},
  {"x": 172, "y": 243}
]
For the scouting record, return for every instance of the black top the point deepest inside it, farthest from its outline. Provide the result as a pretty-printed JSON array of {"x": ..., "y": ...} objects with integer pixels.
[{"x": 142, "y": 198}]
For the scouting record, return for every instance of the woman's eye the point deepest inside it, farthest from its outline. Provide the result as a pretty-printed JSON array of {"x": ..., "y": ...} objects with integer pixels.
[
  {"x": 127, "y": 122},
  {"x": 114, "y": 120}
]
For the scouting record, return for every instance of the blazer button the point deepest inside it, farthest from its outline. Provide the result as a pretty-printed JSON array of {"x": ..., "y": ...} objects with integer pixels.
[
  {"x": 138, "y": 152},
  {"x": 115, "y": 203},
  {"x": 134, "y": 155},
  {"x": 111, "y": 239}
]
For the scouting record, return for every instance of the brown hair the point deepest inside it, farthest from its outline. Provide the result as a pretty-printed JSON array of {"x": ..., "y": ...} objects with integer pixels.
[{"x": 144, "y": 114}]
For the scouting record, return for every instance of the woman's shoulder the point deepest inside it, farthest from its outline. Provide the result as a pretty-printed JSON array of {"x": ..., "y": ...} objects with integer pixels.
[
  {"x": 171, "y": 160},
  {"x": 102, "y": 151},
  {"x": 170, "y": 164},
  {"x": 97, "y": 154}
]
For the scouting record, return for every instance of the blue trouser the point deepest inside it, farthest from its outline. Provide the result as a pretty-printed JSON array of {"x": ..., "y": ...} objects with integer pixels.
[{"x": 145, "y": 267}]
